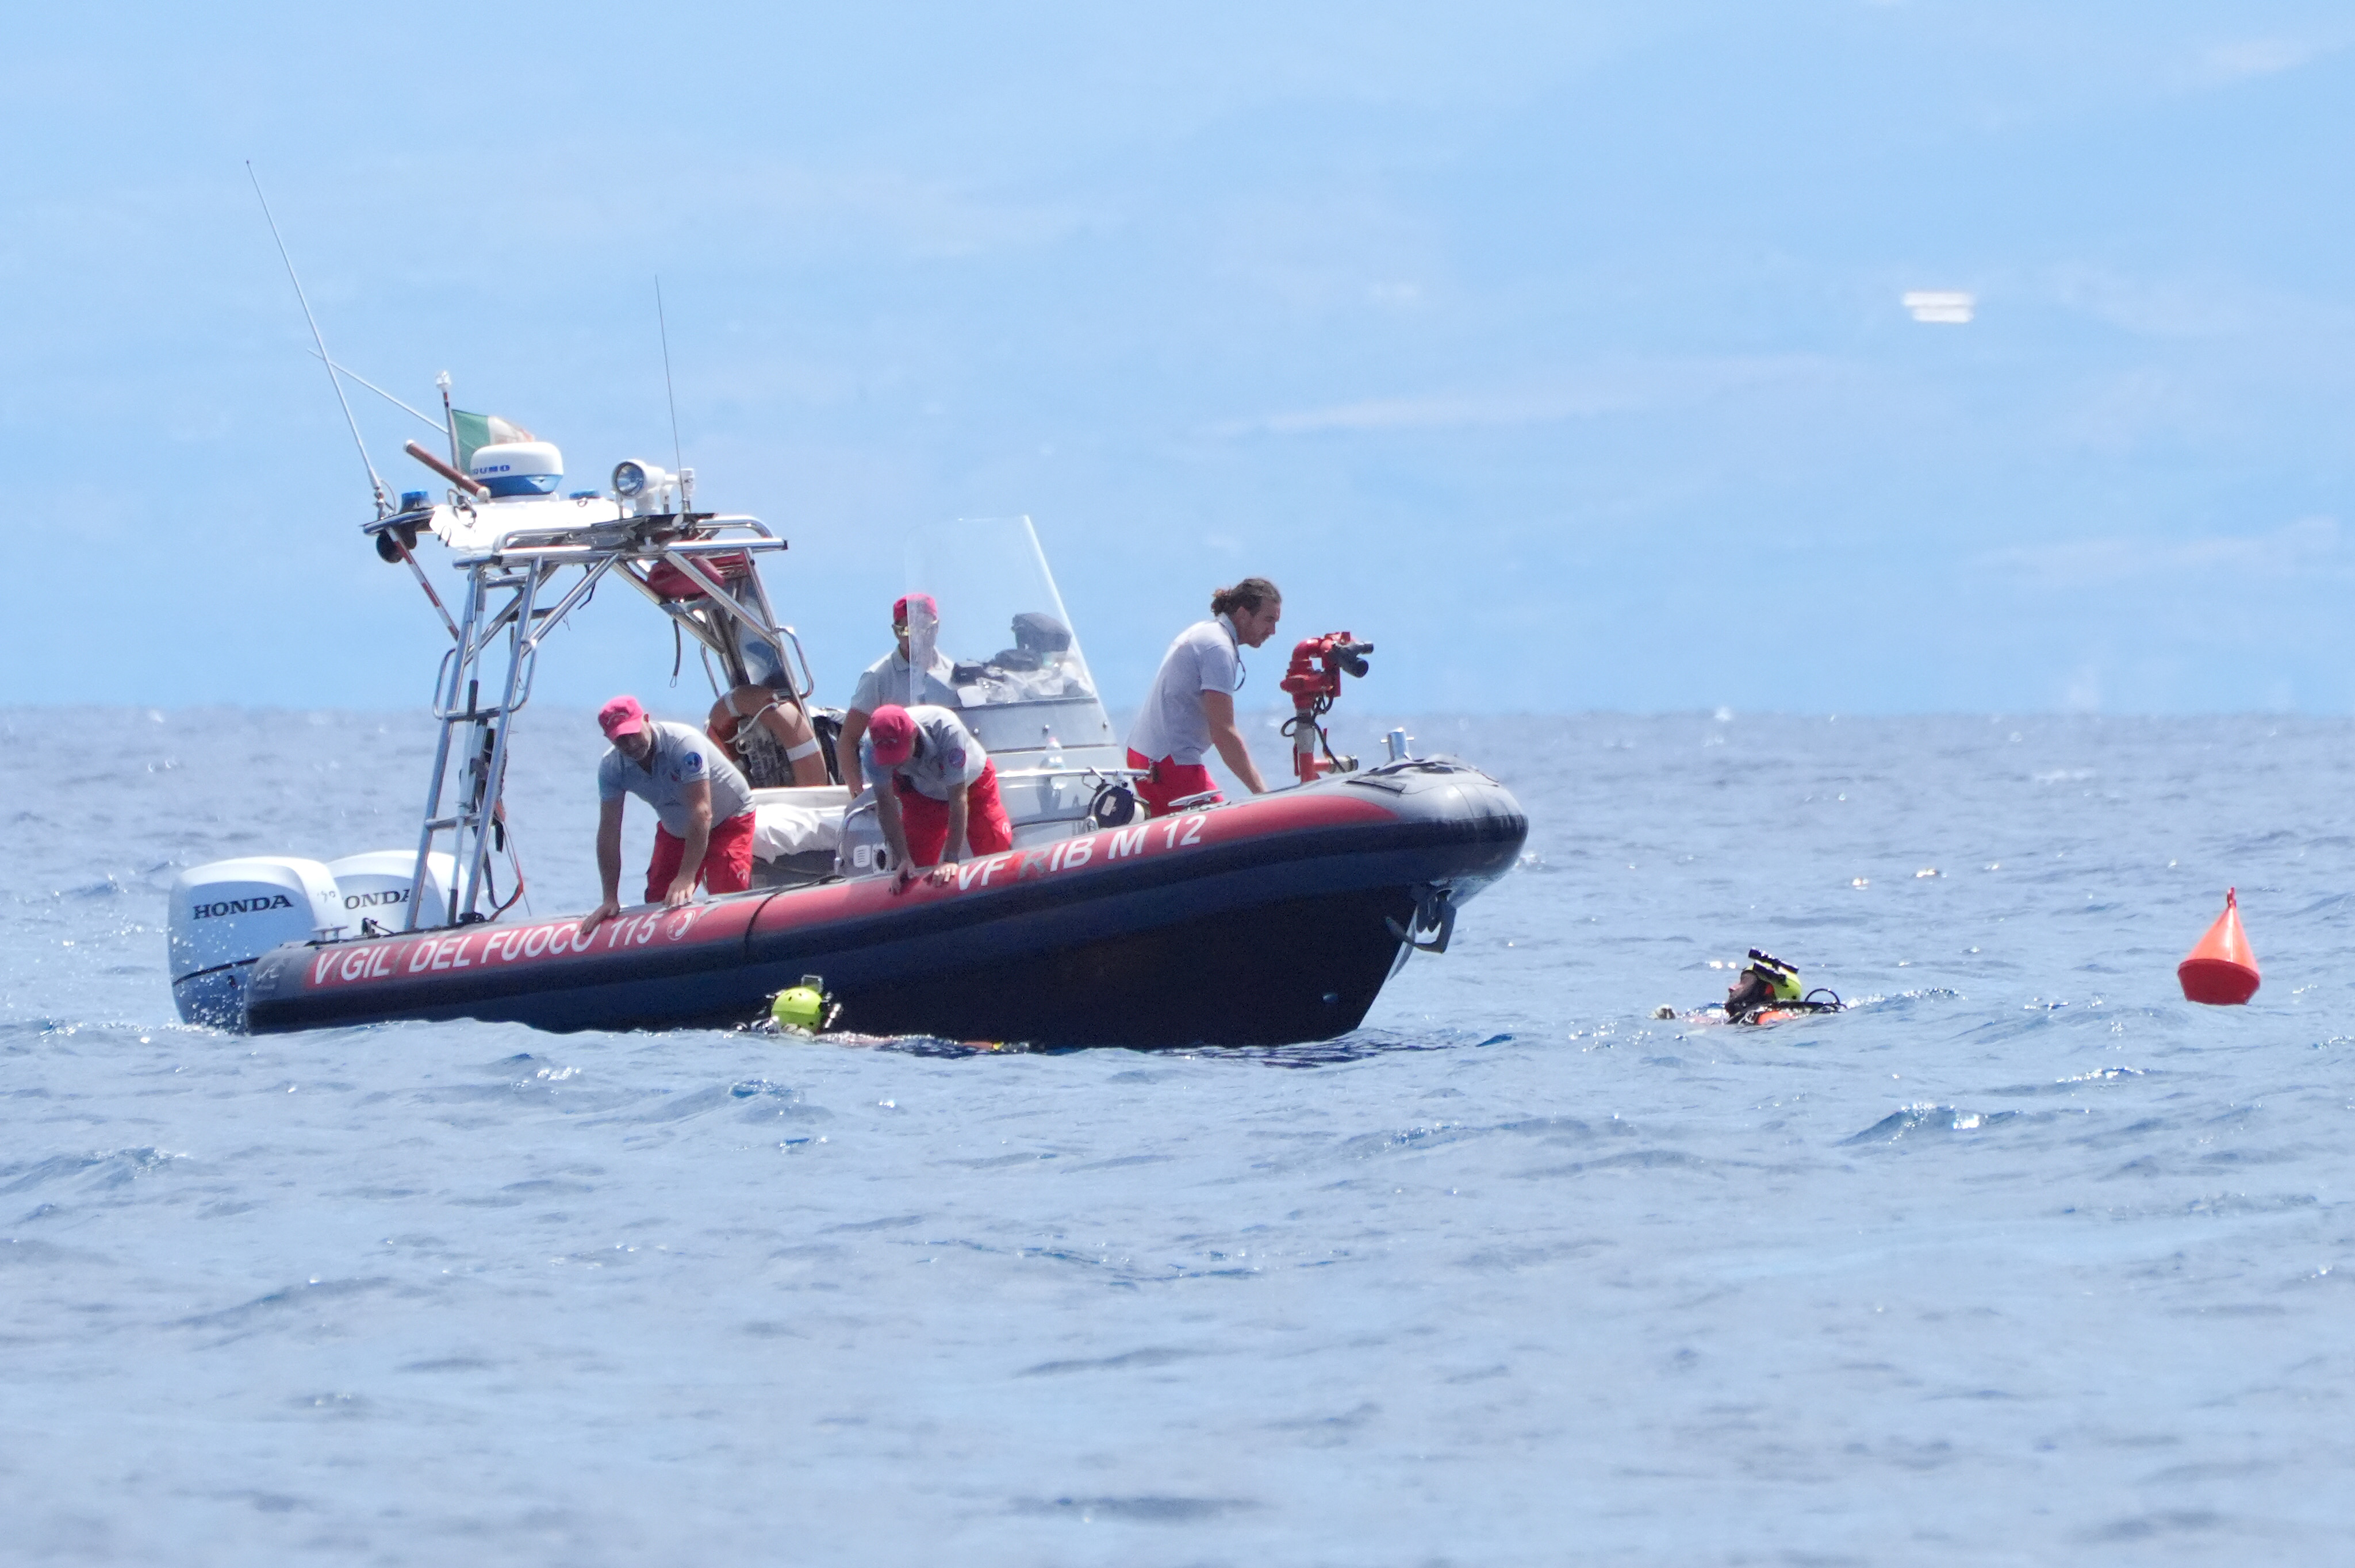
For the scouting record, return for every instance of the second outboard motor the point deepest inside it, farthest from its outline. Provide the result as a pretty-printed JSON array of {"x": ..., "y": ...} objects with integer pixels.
[
  {"x": 373, "y": 891},
  {"x": 226, "y": 914}
]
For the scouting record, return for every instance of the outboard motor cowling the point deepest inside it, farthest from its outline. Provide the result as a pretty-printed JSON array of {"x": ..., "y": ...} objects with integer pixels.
[
  {"x": 228, "y": 914},
  {"x": 373, "y": 888}
]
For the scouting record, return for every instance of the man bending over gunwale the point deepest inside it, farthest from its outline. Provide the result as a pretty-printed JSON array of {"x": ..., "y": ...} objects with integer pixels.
[{"x": 703, "y": 803}]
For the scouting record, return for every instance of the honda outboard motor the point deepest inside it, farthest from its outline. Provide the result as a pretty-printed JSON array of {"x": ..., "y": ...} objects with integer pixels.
[
  {"x": 373, "y": 891},
  {"x": 228, "y": 914}
]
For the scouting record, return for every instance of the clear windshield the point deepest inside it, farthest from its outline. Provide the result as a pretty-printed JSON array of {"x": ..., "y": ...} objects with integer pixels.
[
  {"x": 1002, "y": 624},
  {"x": 1014, "y": 661}
]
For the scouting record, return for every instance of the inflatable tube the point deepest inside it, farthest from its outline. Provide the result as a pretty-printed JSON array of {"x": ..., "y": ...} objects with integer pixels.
[{"x": 1271, "y": 921}]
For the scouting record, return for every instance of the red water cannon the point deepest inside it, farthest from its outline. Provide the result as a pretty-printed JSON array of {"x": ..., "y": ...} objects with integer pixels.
[{"x": 1313, "y": 681}]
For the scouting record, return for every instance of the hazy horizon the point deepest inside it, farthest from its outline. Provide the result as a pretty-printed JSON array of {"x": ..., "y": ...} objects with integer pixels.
[{"x": 1562, "y": 352}]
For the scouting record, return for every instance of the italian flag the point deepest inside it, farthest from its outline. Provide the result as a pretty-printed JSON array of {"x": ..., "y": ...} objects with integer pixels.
[{"x": 482, "y": 431}]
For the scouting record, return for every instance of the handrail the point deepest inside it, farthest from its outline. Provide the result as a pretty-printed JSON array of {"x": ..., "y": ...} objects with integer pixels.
[
  {"x": 568, "y": 553},
  {"x": 1074, "y": 773},
  {"x": 809, "y": 679}
]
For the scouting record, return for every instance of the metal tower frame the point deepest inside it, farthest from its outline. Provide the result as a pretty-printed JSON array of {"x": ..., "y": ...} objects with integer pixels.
[{"x": 496, "y": 643}]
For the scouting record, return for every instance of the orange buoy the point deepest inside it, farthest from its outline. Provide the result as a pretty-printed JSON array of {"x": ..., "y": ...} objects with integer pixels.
[{"x": 2220, "y": 972}]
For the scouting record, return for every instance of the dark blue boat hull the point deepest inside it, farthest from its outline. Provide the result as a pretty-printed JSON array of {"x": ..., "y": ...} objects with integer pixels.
[{"x": 1272, "y": 921}]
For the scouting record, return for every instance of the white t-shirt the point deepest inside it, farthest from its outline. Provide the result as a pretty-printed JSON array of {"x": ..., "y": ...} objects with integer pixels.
[
  {"x": 683, "y": 755},
  {"x": 1171, "y": 723},
  {"x": 946, "y": 754},
  {"x": 886, "y": 681}
]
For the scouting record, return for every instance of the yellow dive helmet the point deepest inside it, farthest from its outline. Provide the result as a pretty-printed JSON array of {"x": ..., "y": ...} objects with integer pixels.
[
  {"x": 1775, "y": 973},
  {"x": 801, "y": 1007}
]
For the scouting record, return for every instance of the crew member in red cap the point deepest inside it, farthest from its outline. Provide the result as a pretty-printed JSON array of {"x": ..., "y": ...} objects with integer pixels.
[
  {"x": 941, "y": 803},
  {"x": 886, "y": 681},
  {"x": 704, "y": 804},
  {"x": 1191, "y": 709}
]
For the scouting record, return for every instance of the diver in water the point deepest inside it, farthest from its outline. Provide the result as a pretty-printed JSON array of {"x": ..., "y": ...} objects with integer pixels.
[
  {"x": 1766, "y": 992},
  {"x": 804, "y": 1010},
  {"x": 1769, "y": 986}
]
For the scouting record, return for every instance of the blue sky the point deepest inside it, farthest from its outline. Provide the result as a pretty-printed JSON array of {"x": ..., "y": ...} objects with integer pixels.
[{"x": 1559, "y": 349}]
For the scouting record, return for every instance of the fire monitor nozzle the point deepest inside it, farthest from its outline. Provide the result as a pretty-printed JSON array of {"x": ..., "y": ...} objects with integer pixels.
[{"x": 1313, "y": 681}]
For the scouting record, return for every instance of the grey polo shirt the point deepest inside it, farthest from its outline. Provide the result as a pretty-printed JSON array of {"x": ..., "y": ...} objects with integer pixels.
[
  {"x": 886, "y": 681},
  {"x": 1171, "y": 723},
  {"x": 683, "y": 755},
  {"x": 946, "y": 754}
]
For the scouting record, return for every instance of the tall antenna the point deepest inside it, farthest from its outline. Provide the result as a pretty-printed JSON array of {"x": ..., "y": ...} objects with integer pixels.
[
  {"x": 677, "y": 458},
  {"x": 375, "y": 485}
]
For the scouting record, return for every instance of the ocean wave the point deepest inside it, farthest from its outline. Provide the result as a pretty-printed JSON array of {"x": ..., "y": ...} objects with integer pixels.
[
  {"x": 106, "y": 1167},
  {"x": 1926, "y": 1120}
]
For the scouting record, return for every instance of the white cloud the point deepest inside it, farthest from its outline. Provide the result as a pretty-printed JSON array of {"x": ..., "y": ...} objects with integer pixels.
[{"x": 1943, "y": 307}]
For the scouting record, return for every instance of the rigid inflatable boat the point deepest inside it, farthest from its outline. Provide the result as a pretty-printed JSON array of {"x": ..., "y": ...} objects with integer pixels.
[{"x": 1271, "y": 920}]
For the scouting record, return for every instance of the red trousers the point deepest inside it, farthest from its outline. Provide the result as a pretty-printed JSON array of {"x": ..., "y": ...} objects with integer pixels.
[
  {"x": 1169, "y": 780},
  {"x": 927, "y": 820},
  {"x": 726, "y": 859}
]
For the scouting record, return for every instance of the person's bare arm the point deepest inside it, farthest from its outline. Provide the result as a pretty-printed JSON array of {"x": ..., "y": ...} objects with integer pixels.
[
  {"x": 609, "y": 864},
  {"x": 895, "y": 832},
  {"x": 1219, "y": 707},
  {"x": 697, "y": 798},
  {"x": 959, "y": 807},
  {"x": 846, "y": 749}
]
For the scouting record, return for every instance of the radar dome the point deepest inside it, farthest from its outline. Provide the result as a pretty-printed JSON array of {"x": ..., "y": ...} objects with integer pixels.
[{"x": 518, "y": 468}]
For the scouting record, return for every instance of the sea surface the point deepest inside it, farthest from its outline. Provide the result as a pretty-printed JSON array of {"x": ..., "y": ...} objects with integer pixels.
[{"x": 2023, "y": 1259}]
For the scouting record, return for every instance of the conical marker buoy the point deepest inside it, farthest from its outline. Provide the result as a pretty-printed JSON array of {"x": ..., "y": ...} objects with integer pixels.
[{"x": 2220, "y": 972}]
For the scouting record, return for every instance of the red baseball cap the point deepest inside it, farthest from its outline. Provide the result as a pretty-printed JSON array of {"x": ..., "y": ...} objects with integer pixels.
[
  {"x": 621, "y": 716},
  {"x": 892, "y": 733},
  {"x": 900, "y": 607}
]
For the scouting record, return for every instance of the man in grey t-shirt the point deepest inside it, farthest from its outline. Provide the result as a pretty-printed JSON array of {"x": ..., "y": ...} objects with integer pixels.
[
  {"x": 704, "y": 805},
  {"x": 1192, "y": 708},
  {"x": 935, "y": 788}
]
